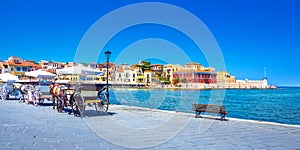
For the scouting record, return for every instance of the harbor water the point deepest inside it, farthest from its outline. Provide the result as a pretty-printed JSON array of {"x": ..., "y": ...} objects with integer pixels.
[{"x": 281, "y": 105}]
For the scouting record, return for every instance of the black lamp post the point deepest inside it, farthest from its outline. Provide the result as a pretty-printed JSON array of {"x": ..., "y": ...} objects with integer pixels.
[{"x": 107, "y": 55}]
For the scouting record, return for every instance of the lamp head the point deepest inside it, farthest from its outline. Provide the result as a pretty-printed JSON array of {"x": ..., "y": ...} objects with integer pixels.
[{"x": 107, "y": 54}]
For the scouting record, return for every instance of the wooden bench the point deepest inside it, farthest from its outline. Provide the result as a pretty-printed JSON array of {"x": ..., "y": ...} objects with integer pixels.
[{"x": 211, "y": 108}]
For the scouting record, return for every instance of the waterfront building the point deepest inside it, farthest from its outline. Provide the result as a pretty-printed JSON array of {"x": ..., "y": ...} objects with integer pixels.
[
  {"x": 132, "y": 76},
  {"x": 139, "y": 74},
  {"x": 196, "y": 76},
  {"x": 44, "y": 64},
  {"x": 18, "y": 67},
  {"x": 70, "y": 64},
  {"x": 193, "y": 66},
  {"x": 51, "y": 66},
  {"x": 225, "y": 77},
  {"x": 157, "y": 70},
  {"x": 250, "y": 84},
  {"x": 168, "y": 71},
  {"x": 125, "y": 76},
  {"x": 92, "y": 65},
  {"x": 111, "y": 70},
  {"x": 227, "y": 81},
  {"x": 150, "y": 77}
]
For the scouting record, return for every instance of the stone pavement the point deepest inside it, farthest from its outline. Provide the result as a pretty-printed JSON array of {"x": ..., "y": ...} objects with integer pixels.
[{"x": 28, "y": 127}]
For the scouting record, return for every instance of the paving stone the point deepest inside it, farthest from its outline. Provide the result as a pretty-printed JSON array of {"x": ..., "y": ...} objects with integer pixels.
[{"x": 29, "y": 127}]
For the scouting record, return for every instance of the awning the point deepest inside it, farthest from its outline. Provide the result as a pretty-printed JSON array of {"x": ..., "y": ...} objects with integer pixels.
[
  {"x": 40, "y": 74},
  {"x": 96, "y": 73},
  {"x": 6, "y": 77}
]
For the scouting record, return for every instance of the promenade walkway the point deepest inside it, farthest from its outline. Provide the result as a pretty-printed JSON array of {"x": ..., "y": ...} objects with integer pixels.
[{"x": 28, "y": 127}]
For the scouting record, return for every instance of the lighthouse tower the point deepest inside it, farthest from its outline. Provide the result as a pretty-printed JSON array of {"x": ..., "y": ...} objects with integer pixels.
[{"x": 265, "y": 80}]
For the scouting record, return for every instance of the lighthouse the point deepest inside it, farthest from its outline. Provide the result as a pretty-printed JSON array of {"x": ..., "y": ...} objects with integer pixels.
[{"x": 265, "y": 80}]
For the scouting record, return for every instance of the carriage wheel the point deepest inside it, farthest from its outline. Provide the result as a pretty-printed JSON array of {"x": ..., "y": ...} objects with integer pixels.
[
  {"x": 59, "y": 106},
  {"x": 72, "y": 104},
  {"x": 66, "y": 103},
  {"x": 79, "y": 104},
  {"x": 103, "y": 105}
]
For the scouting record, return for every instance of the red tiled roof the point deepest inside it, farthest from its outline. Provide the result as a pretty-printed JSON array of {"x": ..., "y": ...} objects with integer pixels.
[
  {"x": 156, "y": 65},
  {"x": 127, "y": 69}
]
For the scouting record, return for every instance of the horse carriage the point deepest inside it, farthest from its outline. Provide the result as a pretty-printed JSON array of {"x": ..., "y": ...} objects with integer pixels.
[
  {"x": 9, "y": 91},
  {"x": 3, "y": 92},
  {"x": 77, "y": 97},
  {"x": 43, "y": 93},
  {"x": 34, "y": 93}
]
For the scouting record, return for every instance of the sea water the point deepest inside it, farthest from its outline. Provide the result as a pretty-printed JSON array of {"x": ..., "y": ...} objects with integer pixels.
[{"x": 281, "y": 105}]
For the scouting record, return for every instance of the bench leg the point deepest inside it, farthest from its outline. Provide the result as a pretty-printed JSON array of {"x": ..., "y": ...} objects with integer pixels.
[
  {"x": 197, "y": 115},
  {"x": 222, "y": 117}
]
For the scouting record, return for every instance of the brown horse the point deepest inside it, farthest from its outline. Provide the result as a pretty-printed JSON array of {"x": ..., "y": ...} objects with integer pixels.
[{"x": 58, "y": 96}]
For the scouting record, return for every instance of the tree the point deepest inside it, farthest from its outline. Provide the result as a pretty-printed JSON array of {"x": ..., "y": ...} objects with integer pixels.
[
  {"x": 84, "y": 64},
  {"x": 144, "y": 65},
  {"x": 175, "y": 81},
  {"x": 183, "y": 80},
  {"x": 165, "y": 80}
]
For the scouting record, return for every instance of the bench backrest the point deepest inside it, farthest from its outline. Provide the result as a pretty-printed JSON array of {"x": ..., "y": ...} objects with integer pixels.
[{"x": 209, "y": 108}]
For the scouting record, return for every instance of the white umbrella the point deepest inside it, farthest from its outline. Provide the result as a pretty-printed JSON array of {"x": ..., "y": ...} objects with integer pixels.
[
  {"x": 40, "y": 74},
  {"x": 69, "y": 70},
  {"x": 80, "y": 70},
  {"x": 5, "y": 77}
]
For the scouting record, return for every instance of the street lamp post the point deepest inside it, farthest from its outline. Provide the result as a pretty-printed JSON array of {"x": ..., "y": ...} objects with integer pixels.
[{"x": 107, "y": 55}]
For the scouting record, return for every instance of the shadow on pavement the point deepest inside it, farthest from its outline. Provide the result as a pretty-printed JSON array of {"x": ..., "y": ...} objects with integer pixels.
[
  {"x": 94, "y": 113},
  {"x": 46, "y": 104},
  {"x": 212, "y": 118}
]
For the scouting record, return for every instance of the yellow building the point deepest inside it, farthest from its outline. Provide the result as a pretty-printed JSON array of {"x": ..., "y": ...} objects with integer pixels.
[
  {"x": 193, "y": 66},
  {"x": 225, "y": 77},
  {"x": 148, "y": 76},
  {"x": 168, "y": 71}
]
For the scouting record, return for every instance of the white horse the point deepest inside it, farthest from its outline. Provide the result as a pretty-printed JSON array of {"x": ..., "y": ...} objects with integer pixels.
[
  {"x": 30, "y": 94},
  {"x": 3, "y": 92}
]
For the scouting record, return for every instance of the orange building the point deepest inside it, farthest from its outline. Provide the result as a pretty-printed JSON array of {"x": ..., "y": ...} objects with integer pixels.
[{"x": 18, "y": 67}]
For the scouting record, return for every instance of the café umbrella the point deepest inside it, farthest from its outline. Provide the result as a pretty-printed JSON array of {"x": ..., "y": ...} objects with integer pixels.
[
  {"x": 6, "y": 77},
  {"x": 40, "y": 74}
]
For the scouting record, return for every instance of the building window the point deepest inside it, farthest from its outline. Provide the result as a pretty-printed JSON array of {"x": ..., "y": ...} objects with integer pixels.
[
  {"x": 24, "y": 69},
  {"x": 18, "y": 69}
]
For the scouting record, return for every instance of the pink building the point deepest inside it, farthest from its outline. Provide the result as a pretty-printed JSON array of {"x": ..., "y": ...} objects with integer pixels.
[{"x": 190, "y": 76}]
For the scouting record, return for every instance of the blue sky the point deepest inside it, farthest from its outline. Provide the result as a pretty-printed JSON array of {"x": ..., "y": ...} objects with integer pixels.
[{"x": 251, "y": 34}]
